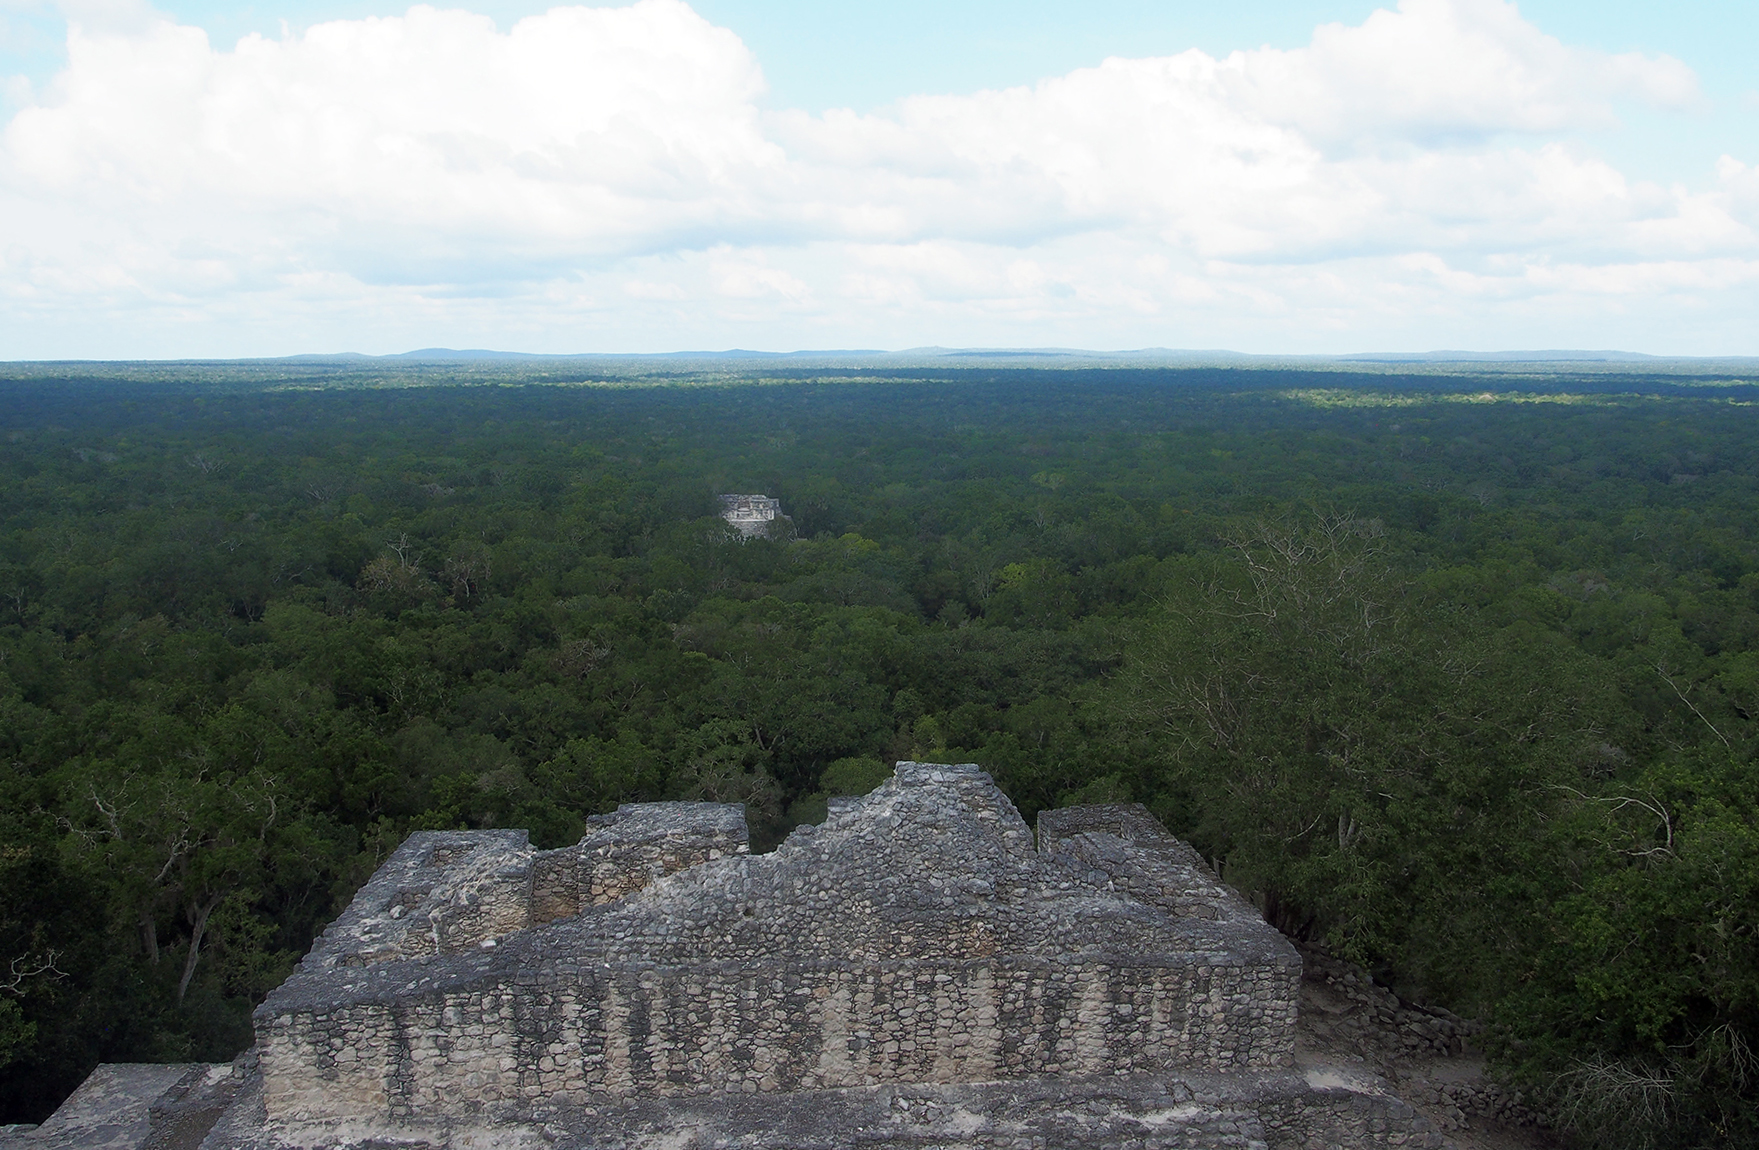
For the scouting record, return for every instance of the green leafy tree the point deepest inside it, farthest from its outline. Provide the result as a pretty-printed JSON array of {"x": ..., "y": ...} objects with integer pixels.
[{"x": 1360, "y": 757}]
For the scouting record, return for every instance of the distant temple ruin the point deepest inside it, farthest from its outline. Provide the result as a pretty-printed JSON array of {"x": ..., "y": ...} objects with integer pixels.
[
  {"x": 917, "y": 971},
  {"x": 751, "y": 514}
]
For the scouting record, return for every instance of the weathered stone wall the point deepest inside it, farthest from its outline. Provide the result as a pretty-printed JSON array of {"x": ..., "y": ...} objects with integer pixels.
[
  {"x": 220, "y": 1108},
  {"x": 1252, "y": 1110},
  {"x": 447, "y": 892},
  {"x": 625, "y": 851},
  {"x": 916, "y": 937},
  {"x": 661, "y": 1033},
  {"x": 1135, "y": 853},
  {"x": 911, "y": 974},
  {"x": 133, "y": 1106},
  {"x": 441, "y": 892},
  {"x": 751, "y": 514}
]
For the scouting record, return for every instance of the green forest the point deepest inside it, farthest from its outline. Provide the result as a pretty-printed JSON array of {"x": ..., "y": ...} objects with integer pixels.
[{"x": 1455, "y": 673}]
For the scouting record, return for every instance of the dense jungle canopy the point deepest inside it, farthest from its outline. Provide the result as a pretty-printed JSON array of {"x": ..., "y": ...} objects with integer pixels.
[{"x": 1457, "y": 673}]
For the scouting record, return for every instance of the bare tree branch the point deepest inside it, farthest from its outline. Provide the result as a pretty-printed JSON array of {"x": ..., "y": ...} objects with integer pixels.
[
  {"x": 1688, "y": 702},
  {"x": 24, "y": 968}
]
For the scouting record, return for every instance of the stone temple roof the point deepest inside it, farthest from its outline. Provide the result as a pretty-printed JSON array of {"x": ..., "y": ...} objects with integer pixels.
[
  {"x": 919, "y": 970},
  {"x": 751, "y": 514},
  {"x": 935, "y": 862}
]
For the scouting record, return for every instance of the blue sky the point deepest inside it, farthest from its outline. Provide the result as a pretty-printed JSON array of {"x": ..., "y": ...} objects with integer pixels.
[{"x": 1578, "y": 174}]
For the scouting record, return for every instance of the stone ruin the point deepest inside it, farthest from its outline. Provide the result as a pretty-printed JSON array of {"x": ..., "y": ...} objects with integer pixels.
[
  {"x": 915, "y": 972},
  {"x": 751, "y": 514}
]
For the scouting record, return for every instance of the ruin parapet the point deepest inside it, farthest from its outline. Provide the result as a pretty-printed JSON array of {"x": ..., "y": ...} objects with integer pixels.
[
  {"x": 918, "y": 970},
  {"x": 752, "y": 514},
  {"x": 448, "y": 892},
  {"x": 916, "y": 937}
]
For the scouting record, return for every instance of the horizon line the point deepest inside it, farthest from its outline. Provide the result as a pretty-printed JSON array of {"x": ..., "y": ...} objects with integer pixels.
[{"x": 444, "y": 354}]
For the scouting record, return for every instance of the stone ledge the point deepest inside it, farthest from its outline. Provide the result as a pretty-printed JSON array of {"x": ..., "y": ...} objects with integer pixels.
[{"x": 1262, "y": 1111}]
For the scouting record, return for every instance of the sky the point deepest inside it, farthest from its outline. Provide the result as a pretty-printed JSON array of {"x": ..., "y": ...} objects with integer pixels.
[{"x": 212, "y": 179}]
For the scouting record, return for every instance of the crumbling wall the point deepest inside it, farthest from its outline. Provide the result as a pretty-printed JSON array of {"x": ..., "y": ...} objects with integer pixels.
[
  {"x": 664, "y": 1033},
  {"x": 1134, "y": 853},
  {"x": 916, "y": 937},
  {"x": 627, "y": 850},
  {"x": 447, "y": 892},
  {"x": 441, "y": 892}
]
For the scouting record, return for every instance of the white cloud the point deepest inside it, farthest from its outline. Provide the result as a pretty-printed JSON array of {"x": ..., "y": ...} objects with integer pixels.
[
  {"x": 645, "y": 289},
  {"x": 745, "y": 278},
  {"x": 604, "y": 178},
  {"x": 609, "y": 130},
  {"x": 1445, "y": 70}
]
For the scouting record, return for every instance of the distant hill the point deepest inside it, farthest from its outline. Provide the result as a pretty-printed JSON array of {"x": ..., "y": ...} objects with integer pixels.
[
  {"x": 1037, "y": 356},
  {"x": 1501, "y": 357}
]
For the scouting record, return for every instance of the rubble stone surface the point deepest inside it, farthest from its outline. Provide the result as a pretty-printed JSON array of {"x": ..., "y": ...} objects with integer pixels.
[
  {"x": 134, "y": 1106},
  {"x": 917, "y": 971},
  {"x": 1425, "y": 1055}
]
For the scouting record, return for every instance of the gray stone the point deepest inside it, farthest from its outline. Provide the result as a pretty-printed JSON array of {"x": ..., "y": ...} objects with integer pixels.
[
  {"x": 132, "y": 1106},
  {"x": 917, "y": 971},
  {"x": 751, "y": 514}
]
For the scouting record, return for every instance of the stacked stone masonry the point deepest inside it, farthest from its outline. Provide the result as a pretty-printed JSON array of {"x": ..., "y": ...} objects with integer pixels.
[
  {"x": 917, "y": 936},
  {"x": 445, "y": 892},
  {"x": 916, "y": 971},
  {"x": 751, "y": 514}
]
